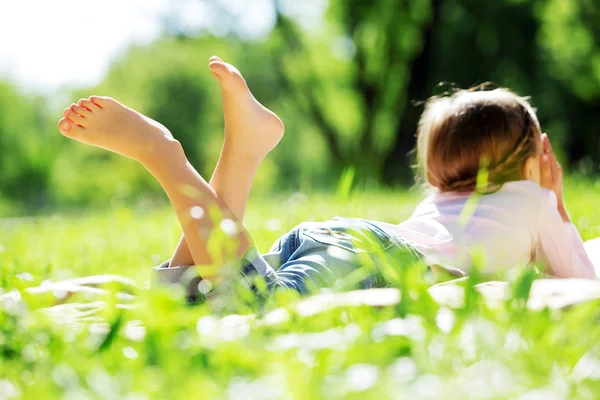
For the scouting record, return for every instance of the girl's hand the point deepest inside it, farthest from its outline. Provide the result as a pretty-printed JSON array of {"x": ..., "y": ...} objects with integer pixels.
[{"x": 552, "y": 175}]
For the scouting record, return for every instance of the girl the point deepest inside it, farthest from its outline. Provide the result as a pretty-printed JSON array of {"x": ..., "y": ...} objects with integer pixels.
[{"x": 514, "y": 217}]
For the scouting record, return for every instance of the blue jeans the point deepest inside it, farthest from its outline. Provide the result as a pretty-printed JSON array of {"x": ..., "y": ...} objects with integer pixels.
[{"x": 344, "y": 253}]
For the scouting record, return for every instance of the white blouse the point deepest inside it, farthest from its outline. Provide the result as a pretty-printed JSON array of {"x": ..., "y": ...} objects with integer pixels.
[{"x": 512, "y": 227}]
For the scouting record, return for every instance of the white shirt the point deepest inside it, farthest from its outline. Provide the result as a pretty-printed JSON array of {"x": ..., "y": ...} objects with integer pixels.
[{"x": 512, "y": 227}]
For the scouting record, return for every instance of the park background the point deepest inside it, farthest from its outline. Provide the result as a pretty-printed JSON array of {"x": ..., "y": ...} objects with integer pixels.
[{"x": 348, "y": 78}]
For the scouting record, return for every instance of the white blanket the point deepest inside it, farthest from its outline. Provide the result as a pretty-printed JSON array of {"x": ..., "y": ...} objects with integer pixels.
[{"x": 592, "y": 248}]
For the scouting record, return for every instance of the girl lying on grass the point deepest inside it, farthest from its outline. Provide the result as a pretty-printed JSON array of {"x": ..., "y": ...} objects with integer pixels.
[{"x": 514, "y": 217}]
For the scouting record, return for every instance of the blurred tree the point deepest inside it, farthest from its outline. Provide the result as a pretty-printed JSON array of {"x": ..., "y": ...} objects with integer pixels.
[
  {"x": 394, "y": 52},
  {"x": 179, "y": 103},
  {"x": 569, "y": 38},
  {"x": 348, "y": 77},
  {"x": 24, "y": 147},
  {"x": 378, "y": 46}
]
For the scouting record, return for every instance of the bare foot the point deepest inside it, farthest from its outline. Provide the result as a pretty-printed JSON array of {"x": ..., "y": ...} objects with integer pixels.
[
  {"x": 250, "y": 128},
  {"x": 106, "y": 123}
]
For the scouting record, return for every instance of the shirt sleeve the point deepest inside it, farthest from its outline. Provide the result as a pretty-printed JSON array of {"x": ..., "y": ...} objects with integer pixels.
[{"x": 559, "y": 245}]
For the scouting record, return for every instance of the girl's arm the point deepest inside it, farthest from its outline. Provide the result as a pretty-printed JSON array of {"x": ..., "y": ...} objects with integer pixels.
[{"x": 559, "y": 244}]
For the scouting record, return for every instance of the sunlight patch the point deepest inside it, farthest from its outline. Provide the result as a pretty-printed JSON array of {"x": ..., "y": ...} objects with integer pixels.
[
  {"x": 197, "y": 212},
  {"x": 360, "y": 377},
  {"x": 229, "y": 227}
]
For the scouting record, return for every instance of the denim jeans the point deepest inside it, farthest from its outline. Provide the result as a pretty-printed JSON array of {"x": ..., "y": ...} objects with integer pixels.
[{"x": 343, "y": 253}]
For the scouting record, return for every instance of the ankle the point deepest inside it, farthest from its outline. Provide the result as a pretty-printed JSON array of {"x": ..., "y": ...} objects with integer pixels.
[
  {"x": 241, "y": 155},
  {"x": 166, "y": 152}
]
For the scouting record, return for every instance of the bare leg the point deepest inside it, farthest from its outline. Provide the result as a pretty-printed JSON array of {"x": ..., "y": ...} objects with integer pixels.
[
  {"x": 105, "y": 123},
  {"x": 251, "y": 132}
]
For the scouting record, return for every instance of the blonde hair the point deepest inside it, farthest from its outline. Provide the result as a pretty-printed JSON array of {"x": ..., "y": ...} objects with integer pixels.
[{"x": 459, "y": 133}]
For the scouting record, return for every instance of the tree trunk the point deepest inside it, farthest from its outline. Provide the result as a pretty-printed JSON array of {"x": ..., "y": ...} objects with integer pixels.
[{"x": 397, "y": 164}]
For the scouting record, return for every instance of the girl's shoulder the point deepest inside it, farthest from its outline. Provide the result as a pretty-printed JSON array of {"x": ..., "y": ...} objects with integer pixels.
[
  {"x": 538, "y": 195},
  {"x": 525, "y": 187},
  {"x": 518, "y": 197},
  {"x": 514, "y": 189}
]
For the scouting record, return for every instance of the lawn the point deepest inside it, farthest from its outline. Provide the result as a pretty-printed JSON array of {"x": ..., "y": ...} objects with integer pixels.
[{"x": 156, "y": 347}]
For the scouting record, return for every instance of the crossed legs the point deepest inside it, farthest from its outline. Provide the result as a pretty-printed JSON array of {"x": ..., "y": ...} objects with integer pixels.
[{"x": 251, "y": 132}]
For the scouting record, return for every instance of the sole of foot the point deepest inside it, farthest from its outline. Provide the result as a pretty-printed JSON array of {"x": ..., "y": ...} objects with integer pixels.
[{"x": 104, "y": 122}]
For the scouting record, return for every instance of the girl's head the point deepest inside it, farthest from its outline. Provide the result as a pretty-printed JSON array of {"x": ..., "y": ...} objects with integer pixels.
[{"x": 460, "y": 134}]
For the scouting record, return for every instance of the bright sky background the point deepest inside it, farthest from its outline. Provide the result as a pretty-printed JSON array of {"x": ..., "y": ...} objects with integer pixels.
[{"x": 48, "y": 44}]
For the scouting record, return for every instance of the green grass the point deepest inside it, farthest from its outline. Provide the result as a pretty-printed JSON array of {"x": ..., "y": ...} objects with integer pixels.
[{"x": 415, "y": 349}]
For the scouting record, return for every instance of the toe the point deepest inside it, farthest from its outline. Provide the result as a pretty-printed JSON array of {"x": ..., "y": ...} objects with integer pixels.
[
  {"x": 218, "y": 67},
  {"x": 64, "y": 126},
  {"x": 233, "y": 69},
  {"x": 68, "y": 128},
  {"x": 101, "y": 101},
  {"x": 85, "y": 103},
  {"x": 228, "y": 75},
  {"x": 84, "y": 112},
  {"x": 71, "y": 115}
]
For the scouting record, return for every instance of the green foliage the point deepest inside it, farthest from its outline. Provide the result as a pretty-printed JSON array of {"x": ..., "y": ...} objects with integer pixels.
[
  {"x": 161, "y": 348},
  {"x": 349, "y": 86},
  {"x": 23, "y": 144},
  {"x": 389, "y": 56}
]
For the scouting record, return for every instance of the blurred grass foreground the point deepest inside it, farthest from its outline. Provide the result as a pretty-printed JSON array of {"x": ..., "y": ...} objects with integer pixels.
[{"x": 119, "y": 341}]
